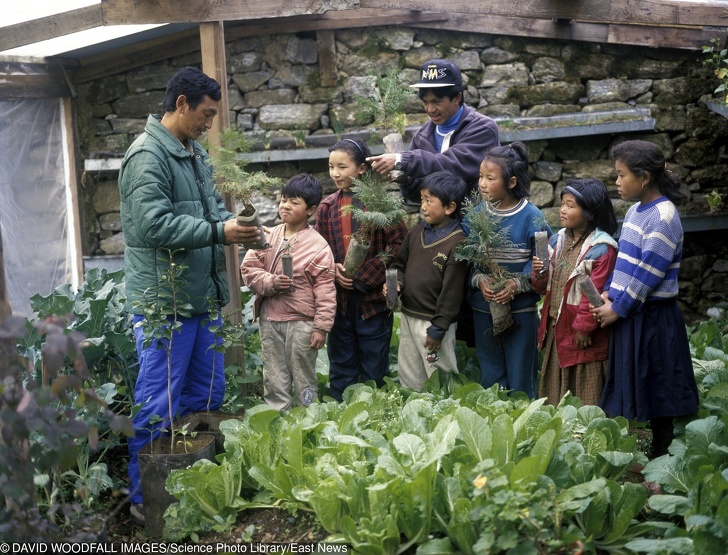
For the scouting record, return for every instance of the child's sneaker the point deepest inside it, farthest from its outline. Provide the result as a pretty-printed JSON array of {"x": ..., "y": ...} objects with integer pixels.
[{"x": 136, "y": 512}]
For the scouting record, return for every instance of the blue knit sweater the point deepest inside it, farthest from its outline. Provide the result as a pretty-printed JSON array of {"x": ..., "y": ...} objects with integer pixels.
[{"x": 650, "y": 250}]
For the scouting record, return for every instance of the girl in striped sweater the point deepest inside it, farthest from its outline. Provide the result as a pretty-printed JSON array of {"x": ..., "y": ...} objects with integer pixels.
[{"x": 650, "y": 375}]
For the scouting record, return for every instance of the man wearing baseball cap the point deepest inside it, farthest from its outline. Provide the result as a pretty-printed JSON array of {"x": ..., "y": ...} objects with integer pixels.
[{"x": 455, "y": 139}]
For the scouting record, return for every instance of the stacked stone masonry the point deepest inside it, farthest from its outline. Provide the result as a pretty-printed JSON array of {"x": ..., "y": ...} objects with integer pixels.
[{"x": 276, "y": 98}]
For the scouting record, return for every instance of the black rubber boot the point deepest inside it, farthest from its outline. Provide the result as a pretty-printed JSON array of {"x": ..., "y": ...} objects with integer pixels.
[{"x": 662, "y": 435}]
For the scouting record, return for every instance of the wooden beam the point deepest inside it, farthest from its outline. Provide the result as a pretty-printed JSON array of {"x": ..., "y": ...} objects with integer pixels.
[
  {"x": 348, "y": 19},
  {"x": 50, "y": 27},
  {"x": 326, "y": 47},
  {"x": 648, "y": 12},
  {"x": 123, "y": 12},
  {"x": 212, "y": 46},
  {"x": 25, "y": 83},
  {"x": 635, "y": 35}
]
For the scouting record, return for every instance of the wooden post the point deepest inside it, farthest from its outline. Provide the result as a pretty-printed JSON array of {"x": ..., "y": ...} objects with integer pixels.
[
  {"x": 212, "y": 46},
  {"x": 75, "y": 229}
]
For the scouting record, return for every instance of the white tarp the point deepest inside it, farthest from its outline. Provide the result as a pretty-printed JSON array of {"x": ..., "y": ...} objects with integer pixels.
[{"x": 33, "y": 203}]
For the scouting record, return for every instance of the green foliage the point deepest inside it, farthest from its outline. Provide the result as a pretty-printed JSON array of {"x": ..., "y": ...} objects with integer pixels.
[
  {"x": 49, "y": 427},
  {"x": 694, "y": 476},
  {"x": 486, "y": 236},
  {"x": 230, "y": 172},
  {"x": 718, "y": 62},
  {"x": 452, "y": 469},
  {"x": 384, "y": 105},
  {"x": 98, "y": 311},
  {"x": 714, "y": 200},
  {"x": 380, "y": 208},
  {"x": 238, "y": 384}
]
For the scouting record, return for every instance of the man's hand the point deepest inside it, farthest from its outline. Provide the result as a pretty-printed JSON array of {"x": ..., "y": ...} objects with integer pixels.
[
  {"x": 238, "y": 234},
  {"x": 382, "y": 164}
]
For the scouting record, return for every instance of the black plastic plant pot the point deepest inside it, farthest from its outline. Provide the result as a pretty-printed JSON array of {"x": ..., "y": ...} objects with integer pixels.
[
  {"x": 356, "y": 254},
  {"x": 208, "y": 423},
  {"x": 156, "y": 461}
]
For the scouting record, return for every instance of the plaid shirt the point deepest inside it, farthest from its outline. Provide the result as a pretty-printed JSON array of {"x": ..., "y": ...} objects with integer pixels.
[{"x": 369, "y": 279}]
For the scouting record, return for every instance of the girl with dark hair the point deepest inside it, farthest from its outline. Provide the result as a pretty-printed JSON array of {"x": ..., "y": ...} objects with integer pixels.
[
  {"x": 509, "y": 359},
  {"x": 650, "y": 370},
  {"x": 358, "y": 344},
  {"x": 575, "y": 349}
]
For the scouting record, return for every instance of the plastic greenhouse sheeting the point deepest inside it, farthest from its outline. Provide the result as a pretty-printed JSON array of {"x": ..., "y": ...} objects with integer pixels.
[{"x": 33, "y": 204}]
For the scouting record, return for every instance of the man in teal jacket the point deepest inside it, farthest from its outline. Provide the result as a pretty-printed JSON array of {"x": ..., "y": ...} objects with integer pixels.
[{"x": 169, "y": 204}]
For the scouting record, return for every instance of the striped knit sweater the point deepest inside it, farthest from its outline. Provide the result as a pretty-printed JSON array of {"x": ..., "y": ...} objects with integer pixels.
[{"x": 650, "y": 250}]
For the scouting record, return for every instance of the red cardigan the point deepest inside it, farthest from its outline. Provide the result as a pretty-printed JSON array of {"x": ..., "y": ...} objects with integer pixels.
[{"x": 596, "y": 259}]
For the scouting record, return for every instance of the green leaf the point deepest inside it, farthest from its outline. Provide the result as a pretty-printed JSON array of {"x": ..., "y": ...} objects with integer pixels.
[
  {"x": 670, "y": 504},
  {"x": 627, "y": 501},
  {"x": 670, "y": 472},
  {"x": 475, "y": 432},
  {"x": 504, "y": 439},
  {"x": 411, "y": 447},
  {"x": 440, "y": 546}
]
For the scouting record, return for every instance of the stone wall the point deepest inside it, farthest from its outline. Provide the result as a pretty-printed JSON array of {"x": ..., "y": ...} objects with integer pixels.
[{"x": 275, "y": 97}]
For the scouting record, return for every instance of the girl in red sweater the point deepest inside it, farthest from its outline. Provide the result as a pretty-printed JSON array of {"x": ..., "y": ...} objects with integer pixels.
[{"x": 575, "y": 348}]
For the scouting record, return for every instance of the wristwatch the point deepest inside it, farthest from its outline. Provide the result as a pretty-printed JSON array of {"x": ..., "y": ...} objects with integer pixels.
[{"x": 398, "y": 166}]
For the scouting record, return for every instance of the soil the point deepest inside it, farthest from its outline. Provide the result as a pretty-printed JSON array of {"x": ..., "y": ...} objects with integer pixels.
[{"x": 252, "y": 526}]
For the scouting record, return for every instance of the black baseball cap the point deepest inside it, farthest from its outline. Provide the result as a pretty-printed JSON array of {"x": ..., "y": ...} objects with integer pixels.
[{"x": 439, "y": 73}]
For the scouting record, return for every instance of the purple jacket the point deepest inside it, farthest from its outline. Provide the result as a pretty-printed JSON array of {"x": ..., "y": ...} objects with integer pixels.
[{"x": 474, "y": 135}]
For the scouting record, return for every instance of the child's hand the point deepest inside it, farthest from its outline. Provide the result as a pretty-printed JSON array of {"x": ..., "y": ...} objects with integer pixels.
[
  {"x": 431, "y": 344},
  {"x": 281, "y": 283},
  {"x": 582, "y": 341},
  {"x": 341, "y": 279},
  {"x": 485, "y": 289},
  {"x": 604, "y": 315},
  {"x": 384, "y": 289},
  {"x": 537, "y": 265},
  {"x": 318, "y": 339}
]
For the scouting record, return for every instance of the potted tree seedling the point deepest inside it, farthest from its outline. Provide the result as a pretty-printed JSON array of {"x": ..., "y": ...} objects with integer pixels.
[
  {"x": 377, "y": 208},
  {"x": 162, "y": 455},
  {"x": 486, "y": 238},
  {"x": 234, "y": 180},
  {"x": 384, "y": 106}
]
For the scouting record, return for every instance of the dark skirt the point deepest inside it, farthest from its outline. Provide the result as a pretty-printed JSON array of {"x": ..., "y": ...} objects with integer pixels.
[{"x": 650, "y": 371}]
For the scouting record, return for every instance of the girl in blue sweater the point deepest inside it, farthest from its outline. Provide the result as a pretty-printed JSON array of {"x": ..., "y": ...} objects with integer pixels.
[
  {"x": 650, "y": 375},
  {"x": 509, "y": 359}
]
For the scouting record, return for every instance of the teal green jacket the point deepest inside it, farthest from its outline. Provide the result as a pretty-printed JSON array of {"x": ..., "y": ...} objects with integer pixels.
[{"x": 169, "y": 202}]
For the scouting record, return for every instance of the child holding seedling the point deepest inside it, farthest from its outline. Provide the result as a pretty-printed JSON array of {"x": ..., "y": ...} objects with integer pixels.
[
  {"x": 650, "y": 376},
  {"x": 295, "y": 312},
  {"x": 358, "y": 345},
  {"x": 431, "y": 282},
  {"x": 504, "y": 224},
  {"x": 575, "y": 348}
]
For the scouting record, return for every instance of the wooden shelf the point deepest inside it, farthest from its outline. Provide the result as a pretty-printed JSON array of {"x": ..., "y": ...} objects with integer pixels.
[
  {"x": 510, "y": 129},
  {"x": 575, "y": 125}
]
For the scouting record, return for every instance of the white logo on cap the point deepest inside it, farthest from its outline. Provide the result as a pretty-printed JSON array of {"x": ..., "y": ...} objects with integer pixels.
[{"x": 434, "y": 73}]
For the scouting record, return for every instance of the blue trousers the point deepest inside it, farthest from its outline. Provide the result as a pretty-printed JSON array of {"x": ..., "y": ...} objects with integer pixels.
[
  {"x": 192, "y": 367},
  {"x": 510, "y": 361},
  {"x": 358, "y": 349}
]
